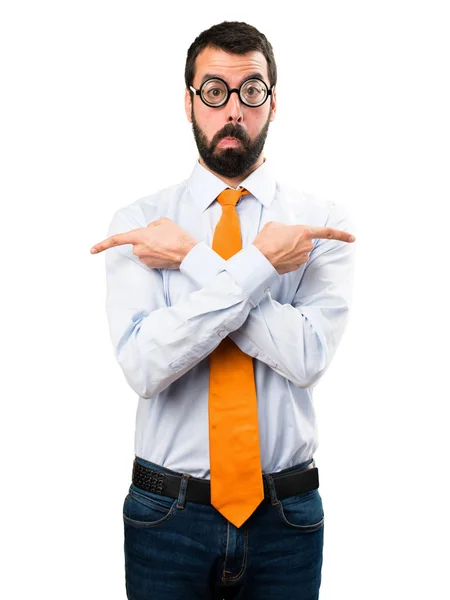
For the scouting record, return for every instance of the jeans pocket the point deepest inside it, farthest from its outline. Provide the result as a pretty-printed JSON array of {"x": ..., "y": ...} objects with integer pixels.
[
  {"x": 303, "y": 512},
  {"x": 147, "y": 509}
]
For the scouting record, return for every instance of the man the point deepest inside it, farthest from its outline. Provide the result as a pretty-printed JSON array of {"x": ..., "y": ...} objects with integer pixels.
[{"x": 227, "y": 296}]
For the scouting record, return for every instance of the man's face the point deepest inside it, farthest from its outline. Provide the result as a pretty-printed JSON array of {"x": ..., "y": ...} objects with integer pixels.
[{"x": 230, "y": 139}]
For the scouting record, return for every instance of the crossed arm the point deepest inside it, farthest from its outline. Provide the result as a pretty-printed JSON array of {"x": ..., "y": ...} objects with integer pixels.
[{"x": 156, "y": 344}]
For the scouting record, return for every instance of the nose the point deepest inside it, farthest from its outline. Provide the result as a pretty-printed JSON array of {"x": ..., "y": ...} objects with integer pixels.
[{"x": 234, "y": 107}]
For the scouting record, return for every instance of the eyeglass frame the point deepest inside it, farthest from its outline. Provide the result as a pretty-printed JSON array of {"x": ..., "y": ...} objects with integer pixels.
[{"x": 230, "y": 91}]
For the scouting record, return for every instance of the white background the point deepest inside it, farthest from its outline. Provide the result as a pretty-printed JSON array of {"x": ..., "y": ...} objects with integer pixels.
[{"x": 92, "y": 119}]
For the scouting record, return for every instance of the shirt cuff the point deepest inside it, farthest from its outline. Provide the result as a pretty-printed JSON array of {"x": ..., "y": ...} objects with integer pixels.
[
  {"x": 202, "y": 264},
  {"x": 253, "y": 272}
]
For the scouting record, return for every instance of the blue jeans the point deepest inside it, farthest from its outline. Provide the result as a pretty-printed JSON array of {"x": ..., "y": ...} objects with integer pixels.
[{"x": 178, "y": 550}]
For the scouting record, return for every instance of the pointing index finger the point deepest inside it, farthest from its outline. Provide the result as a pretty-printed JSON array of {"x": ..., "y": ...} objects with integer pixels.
[
  {"x": 329, "y": 233},
  {"x": 115, "y": 240}
]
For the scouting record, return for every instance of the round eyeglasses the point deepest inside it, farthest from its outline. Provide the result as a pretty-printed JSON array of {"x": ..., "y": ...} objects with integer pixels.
[{"x": 215, "y": 92}]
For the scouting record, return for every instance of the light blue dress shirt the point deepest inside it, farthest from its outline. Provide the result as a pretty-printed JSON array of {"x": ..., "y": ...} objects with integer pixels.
[{"x": 164, "y": 323}]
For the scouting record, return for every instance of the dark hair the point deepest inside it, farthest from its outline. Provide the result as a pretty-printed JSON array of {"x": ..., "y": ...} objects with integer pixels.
[{"x": 234, "y": 37}]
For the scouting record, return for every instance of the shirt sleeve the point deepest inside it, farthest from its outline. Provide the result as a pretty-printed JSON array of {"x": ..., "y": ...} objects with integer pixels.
[
  {"x": 299, "y": 340},
  {"x": 155, "y": 344},
  {"x": 250, "y": 269},
  {"x": 296, "y": 340}
]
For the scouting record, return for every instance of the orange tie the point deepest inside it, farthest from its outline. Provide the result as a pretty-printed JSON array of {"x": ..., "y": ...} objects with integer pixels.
[{"x": 235, "y": 462}]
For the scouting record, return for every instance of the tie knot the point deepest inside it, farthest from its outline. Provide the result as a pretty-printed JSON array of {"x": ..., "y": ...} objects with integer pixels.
[{"x": 230, "y": 197}]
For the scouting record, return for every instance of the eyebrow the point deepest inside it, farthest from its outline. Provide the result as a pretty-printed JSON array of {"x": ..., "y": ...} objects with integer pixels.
[{"x": 255, "y": 75}]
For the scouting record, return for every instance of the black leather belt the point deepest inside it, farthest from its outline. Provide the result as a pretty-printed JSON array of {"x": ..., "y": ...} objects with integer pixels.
[{"x": 198, "y": 490}]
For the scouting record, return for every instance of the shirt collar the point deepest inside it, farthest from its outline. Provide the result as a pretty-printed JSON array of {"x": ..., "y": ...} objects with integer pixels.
[{"x": 204, "y": 186}]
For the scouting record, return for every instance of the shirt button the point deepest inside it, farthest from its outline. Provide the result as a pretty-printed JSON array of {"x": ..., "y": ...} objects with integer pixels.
[
  {"x": 266, "y": 290},
  {"x": 222, "y": 333}
]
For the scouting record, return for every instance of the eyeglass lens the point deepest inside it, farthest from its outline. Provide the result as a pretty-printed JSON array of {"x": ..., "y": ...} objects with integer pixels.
[{"x": 252, "y": 92}]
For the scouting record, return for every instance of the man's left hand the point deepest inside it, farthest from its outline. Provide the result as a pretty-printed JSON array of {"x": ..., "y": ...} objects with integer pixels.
[{"x": 160, "y": 245}]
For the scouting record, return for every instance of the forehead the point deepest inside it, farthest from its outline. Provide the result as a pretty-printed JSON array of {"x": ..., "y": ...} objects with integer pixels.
[{"x": 231, "y": 67}]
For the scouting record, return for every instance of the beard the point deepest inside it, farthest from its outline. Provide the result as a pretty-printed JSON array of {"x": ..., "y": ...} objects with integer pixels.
[{"x": 230, "y": 162}]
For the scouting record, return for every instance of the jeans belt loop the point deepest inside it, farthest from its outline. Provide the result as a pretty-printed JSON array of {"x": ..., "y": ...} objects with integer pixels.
[
  {"x": 272, "y": 492},
  {"x": 183, "y": 490}
]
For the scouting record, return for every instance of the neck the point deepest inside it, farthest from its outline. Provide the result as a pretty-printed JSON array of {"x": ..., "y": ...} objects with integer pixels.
[{"x": 235, "y": 181}]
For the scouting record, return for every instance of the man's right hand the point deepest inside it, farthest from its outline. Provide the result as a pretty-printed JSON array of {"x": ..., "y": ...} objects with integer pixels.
[{"x": 287, "y": 247}]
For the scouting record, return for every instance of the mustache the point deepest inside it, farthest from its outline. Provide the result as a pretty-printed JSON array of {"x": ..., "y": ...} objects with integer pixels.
[{"x": 231, "y": 130}]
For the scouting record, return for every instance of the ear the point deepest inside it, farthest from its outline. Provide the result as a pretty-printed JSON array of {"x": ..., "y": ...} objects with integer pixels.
[
  {"x": 188, "y": 104},
  {"x": 273, "y": 107}
]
